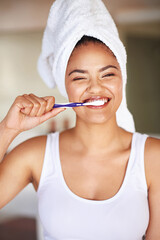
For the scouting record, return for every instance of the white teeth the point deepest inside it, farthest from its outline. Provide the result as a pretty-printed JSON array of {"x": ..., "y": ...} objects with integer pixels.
[{"x": 99, "y": 100}]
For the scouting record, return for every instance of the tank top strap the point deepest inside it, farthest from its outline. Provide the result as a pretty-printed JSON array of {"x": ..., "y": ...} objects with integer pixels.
[
  {"x": 49, "y": 166},
  {"x": 138, "y": 164}
]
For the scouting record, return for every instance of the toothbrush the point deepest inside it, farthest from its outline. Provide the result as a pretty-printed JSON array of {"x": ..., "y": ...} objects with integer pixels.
[{"x": 79, "y": 104}]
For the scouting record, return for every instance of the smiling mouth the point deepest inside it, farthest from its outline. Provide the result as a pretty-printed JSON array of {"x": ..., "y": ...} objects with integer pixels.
[{"x": 98, "y": 98}]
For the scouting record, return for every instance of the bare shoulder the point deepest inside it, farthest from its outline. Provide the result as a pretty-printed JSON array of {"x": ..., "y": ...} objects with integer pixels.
[
  {"x": 152, "y": 148},
  {"x": 35, "y": 144},
  {"x": 152, "y": 159},
  {"x": 31, "y": 148}
]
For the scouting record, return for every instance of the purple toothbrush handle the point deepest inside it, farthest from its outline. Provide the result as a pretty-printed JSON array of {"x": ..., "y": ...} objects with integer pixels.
[{"x": 58, "y": 105}]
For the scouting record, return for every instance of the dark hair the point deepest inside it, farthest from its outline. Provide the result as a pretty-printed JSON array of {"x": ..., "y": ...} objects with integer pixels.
[{"x": 87, "y": 39}]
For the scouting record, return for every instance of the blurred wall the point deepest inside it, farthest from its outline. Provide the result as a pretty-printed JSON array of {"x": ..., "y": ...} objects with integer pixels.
[{"x": 142, "y": 42}]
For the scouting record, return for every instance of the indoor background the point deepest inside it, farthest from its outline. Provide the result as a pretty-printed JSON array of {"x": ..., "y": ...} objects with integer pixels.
[{"x": 21, "y": 30}]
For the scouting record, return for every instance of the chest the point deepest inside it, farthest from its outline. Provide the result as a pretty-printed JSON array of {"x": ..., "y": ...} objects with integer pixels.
[{"x": 94, "y": 177}]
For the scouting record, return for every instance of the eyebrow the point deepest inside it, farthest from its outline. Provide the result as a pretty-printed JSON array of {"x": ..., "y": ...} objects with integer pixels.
[
  {"x": 100, "y": 70},
  {"x": 105, "y": 68},
  {"x": 77, "y": 70}
]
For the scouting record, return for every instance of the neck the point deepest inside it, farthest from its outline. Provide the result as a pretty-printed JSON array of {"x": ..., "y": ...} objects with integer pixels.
[{"x": 97, "y": 136}]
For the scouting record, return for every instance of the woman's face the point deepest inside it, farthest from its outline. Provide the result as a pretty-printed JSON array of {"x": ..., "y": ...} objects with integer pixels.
[{"x": 94, "y": 73}]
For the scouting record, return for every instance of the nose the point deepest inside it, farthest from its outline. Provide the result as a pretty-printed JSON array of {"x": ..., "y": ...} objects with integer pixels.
[{"x": 94, "y": 86}]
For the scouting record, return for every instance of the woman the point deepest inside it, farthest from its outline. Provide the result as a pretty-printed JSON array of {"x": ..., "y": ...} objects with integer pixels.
[{"x": 96, "y": 180}]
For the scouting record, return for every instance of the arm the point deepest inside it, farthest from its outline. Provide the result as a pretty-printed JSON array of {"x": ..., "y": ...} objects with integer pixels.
[
  {"x": 18, "y": 167},
  {"x": 152, "y": 158},
  {"x": 6, "y": 137}
]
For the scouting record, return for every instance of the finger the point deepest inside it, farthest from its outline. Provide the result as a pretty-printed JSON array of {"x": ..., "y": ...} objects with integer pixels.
[
  {"x": 36, "y": 105},
  {"x": 24, "y": 105},
  {"x": 43, "y": 105},
  {"x": 50, "y": 102}
]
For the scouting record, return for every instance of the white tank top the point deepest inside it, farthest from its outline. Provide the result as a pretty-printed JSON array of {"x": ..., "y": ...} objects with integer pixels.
[{"x": 66, "y": 216}]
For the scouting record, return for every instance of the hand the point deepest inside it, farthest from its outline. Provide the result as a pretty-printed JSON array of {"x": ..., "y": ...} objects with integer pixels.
[{"x": 28, "y": 111}]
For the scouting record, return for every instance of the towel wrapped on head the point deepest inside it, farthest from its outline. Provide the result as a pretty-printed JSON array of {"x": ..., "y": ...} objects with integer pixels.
[{"x": 68, "y": 22}]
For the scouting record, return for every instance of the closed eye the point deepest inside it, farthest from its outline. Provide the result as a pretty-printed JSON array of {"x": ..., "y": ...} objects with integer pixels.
[
  {"x": 109, "y": 75},
  {"x": 75, "y": 79}
]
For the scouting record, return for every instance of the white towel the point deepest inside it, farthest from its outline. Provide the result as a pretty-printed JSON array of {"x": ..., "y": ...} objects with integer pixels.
[{"x": 68, "y": 22}]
